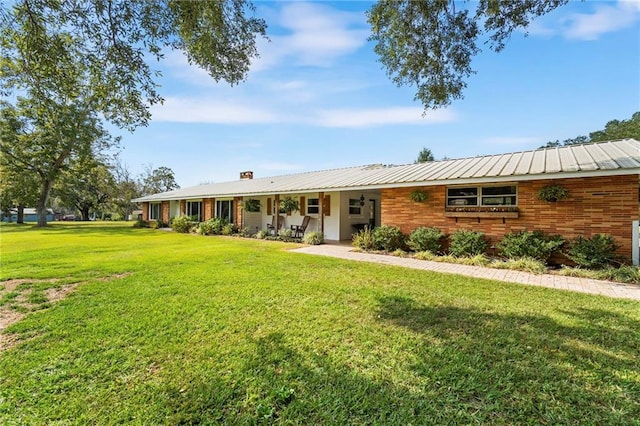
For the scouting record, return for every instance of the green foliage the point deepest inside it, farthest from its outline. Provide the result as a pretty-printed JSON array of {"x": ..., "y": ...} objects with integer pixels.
[
  {"x": 552, "y": 193},
  {"x": 141, "y": 224},
  {"x": 419, "y": 196},
  {"x": 614, "y": 129},
  {"x": 526, "y": 264},
  {"x": 261, "y": 234},
  {"x": 623, "y": 274},
  {"x": 286, "y": 235},
  {"x": 536, "y": 245},
  {"x": 181, "y": 224},
  {"x": 154, "y": 181},
  {"x": 289, "y": 204},
  {"x": 313, "y": 238},
  {"x": 389, "y": 238},
  {"x": 467, "y": 243},
  {"x": 364, "y": 239},
  {"x": 424, "y": 156},
  {"x": 426, "y": 239},
  {"x": 229, "y": 229},
  {"x": 58, "y": 50},
  {"x": 212, "y": 226},
  {"x": 430, "y": 43},
  {"x": 251, "y": 205},
  {"x": 597, "y": 252}
]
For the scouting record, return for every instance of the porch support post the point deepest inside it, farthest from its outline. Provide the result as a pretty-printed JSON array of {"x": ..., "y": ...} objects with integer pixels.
[
  {"x": 635, "y": 241},
  {"x": 276, "y": 208},
  {"x": 321, "y": 210}
]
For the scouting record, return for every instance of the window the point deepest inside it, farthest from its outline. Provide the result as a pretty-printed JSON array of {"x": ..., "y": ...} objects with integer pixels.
[
  {"x": 224, "y": 210},
  {"x": 154, "y": 211},
  {"x": 482, "y": 196},
  {"x": 355, "y": 208},
  {"x": 313, "y": 206},
  {"x": 194, "y": 209}
]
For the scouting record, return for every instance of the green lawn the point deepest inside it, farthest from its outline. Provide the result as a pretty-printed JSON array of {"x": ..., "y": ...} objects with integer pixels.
[{"x": 167, "y": 328}]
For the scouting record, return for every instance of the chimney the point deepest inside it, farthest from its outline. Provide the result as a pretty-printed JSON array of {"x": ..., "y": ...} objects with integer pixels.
[{"x": 246, "y": 175}]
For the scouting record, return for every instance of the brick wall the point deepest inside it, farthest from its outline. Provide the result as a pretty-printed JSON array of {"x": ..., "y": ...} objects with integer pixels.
[
  {"x": 165, "y": 214},
  {"x": 145, "y": 210},
  {"x": 605, "y": 204},
  {"x": 237, "y": 203},
  {"x": 208, "y": 206}
]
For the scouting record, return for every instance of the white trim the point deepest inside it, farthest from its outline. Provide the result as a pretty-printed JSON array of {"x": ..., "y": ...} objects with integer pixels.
[{"x": 635, "y": 242}]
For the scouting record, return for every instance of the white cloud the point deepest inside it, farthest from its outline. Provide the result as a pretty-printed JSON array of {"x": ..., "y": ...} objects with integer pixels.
[
  {"x": 313, "y": 35},
  {"x": 233, "y": 112},
  {"x": 193, "y": 110},
  {"x": 381, "y": 117},
  {"x": 606, "y": 18}
]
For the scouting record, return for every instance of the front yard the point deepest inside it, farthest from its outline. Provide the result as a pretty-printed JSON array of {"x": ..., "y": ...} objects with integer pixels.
[{"x": 165, "y": 328}]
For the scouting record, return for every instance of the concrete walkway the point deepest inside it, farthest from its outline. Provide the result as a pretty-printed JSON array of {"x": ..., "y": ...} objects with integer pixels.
[{"x": 583, "y": 285}]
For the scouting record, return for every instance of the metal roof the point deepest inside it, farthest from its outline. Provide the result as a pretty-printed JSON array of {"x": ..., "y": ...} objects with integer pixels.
[{"x": 609, "y": 158}]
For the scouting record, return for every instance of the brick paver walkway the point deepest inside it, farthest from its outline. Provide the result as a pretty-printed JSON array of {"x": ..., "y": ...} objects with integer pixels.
[{"x": 584, "y": 285}]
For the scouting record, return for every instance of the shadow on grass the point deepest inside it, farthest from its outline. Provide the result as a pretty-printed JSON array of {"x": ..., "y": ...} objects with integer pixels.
[
  {"x": 464, "y": 366},
  {"x": 77, "y": 228}
]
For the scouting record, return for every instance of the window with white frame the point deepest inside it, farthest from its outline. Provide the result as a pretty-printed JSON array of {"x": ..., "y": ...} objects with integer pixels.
[
  {"x": 313, "y": 206},
  {"x": 224, "y": 209},
  {"x": 194, "y": 210},
  {"x": 355, "y": 207},
  {"x": 503, "y": 195},
  {"x": 154, "y": 211}
]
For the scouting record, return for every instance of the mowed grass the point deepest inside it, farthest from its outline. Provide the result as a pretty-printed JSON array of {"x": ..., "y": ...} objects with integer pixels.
[{"x": 177, "y": 329}]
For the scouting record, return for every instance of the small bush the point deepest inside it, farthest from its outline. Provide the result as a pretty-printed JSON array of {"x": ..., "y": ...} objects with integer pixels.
[
  {"x": 623, "y": 274},
  {"x": 399, "y": 253},
  {"x": 426, "y": 239},
  {"x": 261, "y": 234},
  {"x": 527, "y": 264},
  {"x": 141, "y": 224},
  {"x": 286, "y": 235},
  {"x": 467, "y": 243},
  {"x": 389, "y": 238},
  {"x": 313, "y": 238},
  {"x": 364, "y": 239},
  {"x": 425, "y": 255},
  {"x": 536, "y": 245},
  {"x": 229, "y": 229},
  {"x": 596, "y": 252},
  {"x": 181, "y": 224},
  {"x": 212, "y": 226}
]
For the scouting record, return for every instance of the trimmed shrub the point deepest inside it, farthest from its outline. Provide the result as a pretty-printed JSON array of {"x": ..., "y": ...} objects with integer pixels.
[
  {"x": 426, "y": 239},
  {"x": 181, "y": 224},
  {"x": 286, "y": 235},
  {"x": 389, "y": 238},
  {"x": 212, "y": 226},
  {"x": 364, "y": 239},
  {"x": 526, "y": 264},
  {"x": 313, "y": 238},
  {"x": 467, "y": 243},
  {"x": 141, "y": 224},
  {"x": 261, "y": 234},
  {"x": 536, "y": 245},
  {"x": 229, "y": 229},
  {"x": 596, "y": 252}
]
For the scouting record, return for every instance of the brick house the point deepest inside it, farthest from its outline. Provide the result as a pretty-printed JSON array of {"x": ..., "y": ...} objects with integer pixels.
[{"x": 494, "y": 194}]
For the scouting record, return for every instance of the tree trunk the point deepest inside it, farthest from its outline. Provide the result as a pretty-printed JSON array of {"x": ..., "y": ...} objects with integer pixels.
[
  {"x": 20, "y": 218},
  {"x": 41, "y": 208},
  {"x": 85, "y": 214}
]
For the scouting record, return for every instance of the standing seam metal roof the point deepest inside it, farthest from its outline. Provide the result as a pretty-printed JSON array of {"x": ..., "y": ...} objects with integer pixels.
[{"x": 607, "y": 157}]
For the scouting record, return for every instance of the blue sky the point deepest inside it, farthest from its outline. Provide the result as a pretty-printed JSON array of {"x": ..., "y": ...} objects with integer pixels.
[{"x": 318, "y": 98}]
